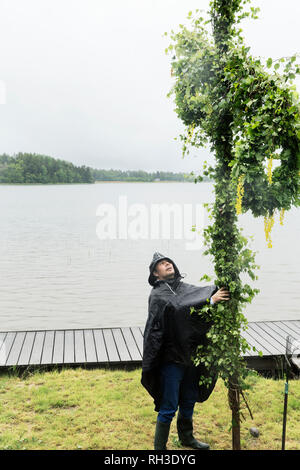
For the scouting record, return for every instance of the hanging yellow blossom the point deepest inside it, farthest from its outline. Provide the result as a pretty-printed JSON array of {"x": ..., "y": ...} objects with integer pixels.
[
  {"x": 269, "y": 222},
  {"x": 191, "y": 132},
  {"x": 269, "y": 219},
  {"x": 281, "y": 216},
  {"x": 270, "y": 163},
  {"x": 240, "y": 194}
]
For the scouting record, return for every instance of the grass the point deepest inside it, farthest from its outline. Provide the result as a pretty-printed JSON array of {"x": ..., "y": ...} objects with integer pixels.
[{"x": 109, "y": 409}]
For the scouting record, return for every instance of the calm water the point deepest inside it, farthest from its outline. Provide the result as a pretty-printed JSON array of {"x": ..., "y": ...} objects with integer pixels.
[{"x": 56, "y": 272}]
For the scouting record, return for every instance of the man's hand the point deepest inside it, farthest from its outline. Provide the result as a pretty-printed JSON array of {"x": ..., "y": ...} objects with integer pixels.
[{"x": 221, "y": 294}]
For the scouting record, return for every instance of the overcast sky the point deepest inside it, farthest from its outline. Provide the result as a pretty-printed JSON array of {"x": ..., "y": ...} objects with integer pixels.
[{"x": 86, "y": 80}]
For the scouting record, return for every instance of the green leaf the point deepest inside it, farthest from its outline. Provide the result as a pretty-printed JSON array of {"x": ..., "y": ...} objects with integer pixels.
[
  {"x": 269, "y": 62},
  {"x": 205, "y": 277}
]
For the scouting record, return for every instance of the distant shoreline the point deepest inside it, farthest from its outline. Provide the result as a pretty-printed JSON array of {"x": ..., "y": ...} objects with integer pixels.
[
  {"x": 97, "y": 182},
  {"x": 36, "y": 169},
  {"x": 121, "y": 181}
]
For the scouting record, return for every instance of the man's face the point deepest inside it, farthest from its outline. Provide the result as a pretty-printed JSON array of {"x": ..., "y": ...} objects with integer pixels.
[{"x": 164, "y": 270}]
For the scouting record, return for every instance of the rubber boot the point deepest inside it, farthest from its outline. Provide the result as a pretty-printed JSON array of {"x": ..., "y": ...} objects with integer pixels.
[
  {"x": 161, "y": 435},
  {"x": 185, "y": 434}
]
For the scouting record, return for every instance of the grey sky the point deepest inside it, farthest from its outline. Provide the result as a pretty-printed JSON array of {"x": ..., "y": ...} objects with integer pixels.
[{"x": 86, "y": 80}]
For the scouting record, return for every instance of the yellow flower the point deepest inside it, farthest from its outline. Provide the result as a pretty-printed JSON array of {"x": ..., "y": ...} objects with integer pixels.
[
  {"x": 269, "y": 222},
  {"x": 190, "y": 132},
  {"x": 240, "y": 194},
  {"x": 281, "y": 216},
  {"x": 270, "y": 163}
]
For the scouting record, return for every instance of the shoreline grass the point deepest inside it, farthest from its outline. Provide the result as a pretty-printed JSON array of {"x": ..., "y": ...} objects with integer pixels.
[{"x": 108, "y": 409}]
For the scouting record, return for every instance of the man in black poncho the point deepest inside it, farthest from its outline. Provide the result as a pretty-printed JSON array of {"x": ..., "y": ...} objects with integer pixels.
[{"x": 171, "y": 336}]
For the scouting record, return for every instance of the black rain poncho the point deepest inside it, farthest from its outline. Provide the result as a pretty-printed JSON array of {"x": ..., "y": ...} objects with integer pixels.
[{"x": 169, "y": 318}]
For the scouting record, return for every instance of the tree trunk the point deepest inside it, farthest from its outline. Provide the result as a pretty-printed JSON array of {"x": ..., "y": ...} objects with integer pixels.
[
  {"x": 234, "y": 403},
  {"x": 226, "y": 240}
]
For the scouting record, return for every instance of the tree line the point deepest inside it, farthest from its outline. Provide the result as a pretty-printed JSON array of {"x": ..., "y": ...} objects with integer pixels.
[
  {"x": 139, "y": 175},
  {"x": 30, "y": 168}
]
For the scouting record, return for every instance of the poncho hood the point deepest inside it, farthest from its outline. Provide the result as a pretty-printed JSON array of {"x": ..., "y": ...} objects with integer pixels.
[{"x": 156, "y": 258}]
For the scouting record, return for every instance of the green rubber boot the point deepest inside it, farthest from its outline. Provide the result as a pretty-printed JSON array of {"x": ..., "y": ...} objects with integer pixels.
[
  {"x": 185, "y": 434},
  {"x": 161, "y": 435}
]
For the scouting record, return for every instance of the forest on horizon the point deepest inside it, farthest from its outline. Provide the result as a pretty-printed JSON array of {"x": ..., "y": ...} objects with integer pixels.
[{"x": 30, "y": 168}]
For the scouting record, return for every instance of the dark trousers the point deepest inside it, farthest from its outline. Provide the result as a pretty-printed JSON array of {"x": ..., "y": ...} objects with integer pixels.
[{"x": 179, "y": 389}]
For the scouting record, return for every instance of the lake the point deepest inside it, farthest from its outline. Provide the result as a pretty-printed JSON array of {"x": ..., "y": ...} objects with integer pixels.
[{"x": 57, "y": 272}]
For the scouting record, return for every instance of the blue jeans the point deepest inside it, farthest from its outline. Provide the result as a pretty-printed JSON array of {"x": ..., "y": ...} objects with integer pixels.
[{"x": 179, "y": 388}]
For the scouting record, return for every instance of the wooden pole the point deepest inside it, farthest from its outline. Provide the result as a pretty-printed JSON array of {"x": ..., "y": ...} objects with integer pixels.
[{"x": 234, "y": 403}]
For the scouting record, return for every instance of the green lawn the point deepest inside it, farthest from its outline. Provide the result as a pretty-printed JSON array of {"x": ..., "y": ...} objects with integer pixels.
[{"x": 109, "y": 409}]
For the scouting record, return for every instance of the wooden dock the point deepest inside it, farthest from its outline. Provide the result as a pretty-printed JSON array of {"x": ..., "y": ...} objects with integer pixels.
[{"x": 124, "y": 346}]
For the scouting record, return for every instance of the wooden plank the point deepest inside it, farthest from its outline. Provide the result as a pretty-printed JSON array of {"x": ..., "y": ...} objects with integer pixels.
[
  {"x": 256, "y": 341},
  {"x": 69, "y": 352},
  {"x": 2, "y": 349},
  {"x": 121, "y": 345},
  {"x": 268, "y": 327},
  {"x": 282, "y": 333},
  {"x": 111, "y": 349},
  {"x": 251, "y": 342},
  {"x": 48, "y": 348},
  {"x": 273, "y": 326},
  {"x": 270, "y": 340},
  {"x": 24, "y": 357},
  {"x": 267, "y": 348},
  {"x": 16, "y": 349},
  {"x": 79, "y": 347},
  {"x": 90, "y": 349},
  {"x": 131, "y": 345},
  {"x": 138, "y": 337},
  {"x": 58, "y": 347},
  {"x": 290, "y": 331},
  {"x": 7, "y": 344},
  {"x": 2, "y": 337},
  {"x": 100, "y": 346},
  {"x": 37, "y": 348},
  {"x": 296, "y": 323},
  {"x": 294, "y": 326}
]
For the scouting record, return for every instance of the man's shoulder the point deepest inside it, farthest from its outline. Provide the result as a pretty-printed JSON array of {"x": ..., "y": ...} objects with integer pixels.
[
  {"x": 156, "y": 292},
  {"x": 159, "y": 296},
  {"x": 157, "y": 288},
  {"x": 203, "y": 290}
]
